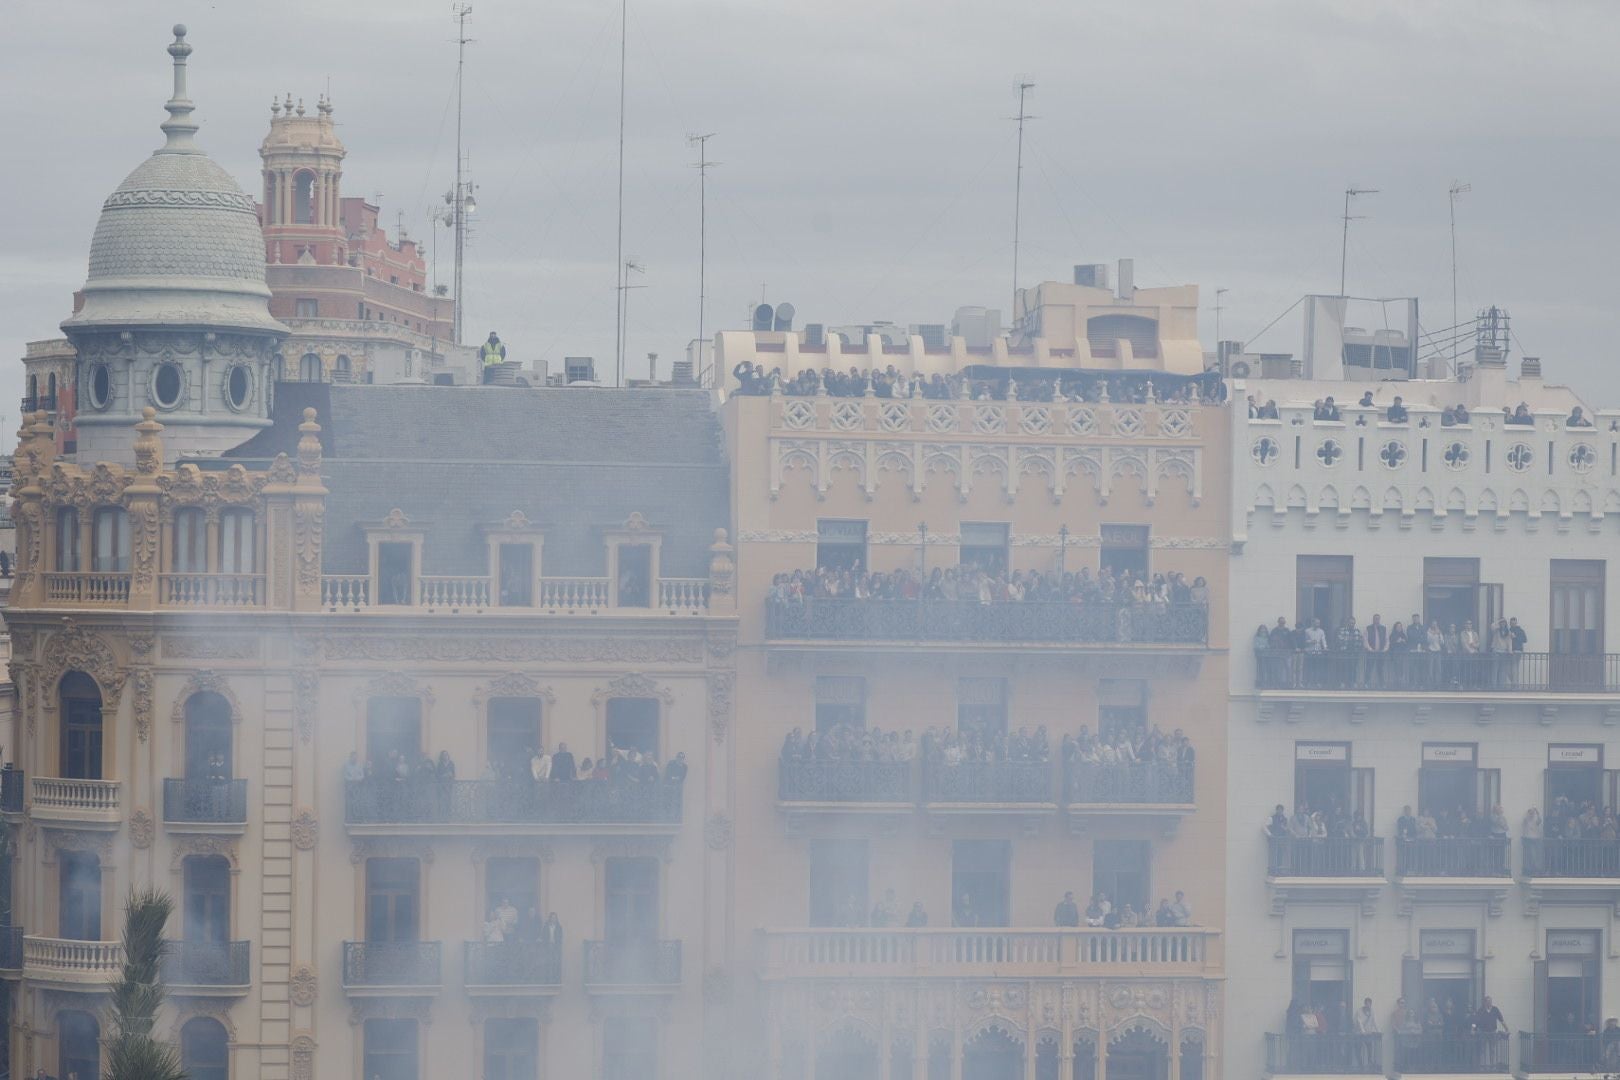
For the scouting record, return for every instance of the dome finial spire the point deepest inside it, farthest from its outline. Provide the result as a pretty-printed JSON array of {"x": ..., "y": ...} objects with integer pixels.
[{"x": 179, "y": 127}]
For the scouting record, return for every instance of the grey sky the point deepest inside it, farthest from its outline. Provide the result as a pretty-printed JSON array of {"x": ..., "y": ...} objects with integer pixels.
[{"x": 867, "y": 158}]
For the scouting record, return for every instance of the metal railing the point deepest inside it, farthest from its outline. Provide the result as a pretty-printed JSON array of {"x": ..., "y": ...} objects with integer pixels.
[
  {"x": 453, "y": 592},
  {"x": 683, "y": 594},
  {"x": 87, "y": 961},
  {"x": 632, "y": 963},
  {"x": 13, "y": 786},
  {"x": 988, "y": 782},
  {"x": 954, "y": 953},
  {"x": 1456, "y": 856},
  {"x": 512, "y": 963},
  {"x": 1507, "y": 673},
  {"x": 205, "y": 801},
  {"x": 1030, "y": 621},
  {"x": 1577, "y": 858},
  {"x": 76, "y": 796},
  {"x": 36, "y": 402},
  {"x": 518, "y": 802},
  {"x": 207, "y": 963},
  {"x": 1540, "y": 1052},
  {"x": 844, "y": 781},
  {"x": 211, "y": 590},
  {"x": 573, "y": 593},
  {"x": 1144, "y": 782},
  {"x": 390, "y": 963},
  {"x": 1325, "y": 1055},
  {"x": 1441, "y": 1054},
  {"x": 345, "y": 592},
  {"x": 1290, "y": 856},
  {"x": 86, "y": 588}
]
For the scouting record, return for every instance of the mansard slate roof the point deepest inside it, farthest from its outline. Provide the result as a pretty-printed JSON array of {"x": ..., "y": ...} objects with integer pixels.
[{"x": 458, "y": 459}]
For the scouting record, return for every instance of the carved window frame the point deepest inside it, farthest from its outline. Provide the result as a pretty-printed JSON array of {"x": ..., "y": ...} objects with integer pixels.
[
  {"x": 514, "y": 685},
  {"x": 396, "y": 528},
  {"x": 634, "y": 685},
  {"x": 635, "y": 532},
  {"x": 516, "y": 529}
]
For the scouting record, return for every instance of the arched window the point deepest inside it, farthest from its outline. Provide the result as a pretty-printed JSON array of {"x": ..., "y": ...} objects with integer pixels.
[
  {"x": 78, "y": 1040},
  {"x": 847, "y": 1056},
  {"x": 33, "y": 386},
  {"x": 67, "y": 541},
  {"x": 203, "y": 1053},
  {"x": 208, "y": 737},
  {"x": 992, "y": 1055},
  {"x": 50, "y": 390},
  {"x": 1136, "y": 1055},
  {"x": 304, "y": 199},
  {"x": 110, "y": 541},
  {"x": 81, "y": 727},
  {"x": 207, "y": 916},
  {"x": 343, "y": 370},
  {"x": 190, "y": 554},
  {"x": 236, "y": 535},
  {"x": 309, "y": 368}
]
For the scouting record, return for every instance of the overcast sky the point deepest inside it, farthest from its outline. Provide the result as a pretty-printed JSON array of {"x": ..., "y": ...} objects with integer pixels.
[{"x": 867, "y": 154}]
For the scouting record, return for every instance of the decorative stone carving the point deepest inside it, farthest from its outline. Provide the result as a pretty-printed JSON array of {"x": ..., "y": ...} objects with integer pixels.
[
  {"x": 394, "y": 684},
  {"x": 205, "y": 681},
  {"x": 512, "y": 848},
  {"x": 97, "y": 843},
  {"x": 73, "y": 648},
  {"x": 303, "y": 987},
  {"x": 721, "y": 687},
  {"x": 205, "y": 844},
  {"x": 389, "y": 848},
  {"x": 306, "y": 829},
  {"x": 306, "y": 691},
  {"x": 717, "y": 831},
  {"x": 510, "y": 1008},
  {"x": 303, "y": 1057},
  {"x": 633, "y": 847},
  {"x": 141, "y": 828},
  {"x": 633, "y": 686},
  {"x": 209, "y": 647},
  {"x": 143, "y": 703},
  {"x": 309, "y": 522},
  {"x": 722, "y": 643},
  {"x": 514, "y": 685},
  {"x": 386, "y": 1008}
]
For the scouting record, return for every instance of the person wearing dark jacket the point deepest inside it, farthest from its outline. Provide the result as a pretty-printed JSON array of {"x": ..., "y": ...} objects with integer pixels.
[
  {"x": 562, "y": 764},
  {"x": 1067, "y": 912}
]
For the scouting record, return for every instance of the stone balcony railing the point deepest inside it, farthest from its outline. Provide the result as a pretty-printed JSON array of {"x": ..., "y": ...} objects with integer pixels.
[
  {"x": 511, "y": 964},
  {"x": 1010, "y": 953},
  {"x": 938, "y": 418},
  {"x": 217, "y": 965},
  {"x": 1566, "y": 858},
  {"x": 204, "y": 802},
  {"x": 632, "y": 963},
  {"x": 88, "y": 589},
  {"x": 62, "y": 960},
  {"x": 1043, "y": 622},
  {"x": 76, "y": 800},
  {"x": 1324, "y": 857},
  {"x": 1444, "y": 673},
  {"x": 478, "y": 594},
  {"x": 211, "y": 590},
  {"x": 390, "y": 964},
  {"x": 1452, "y": 857},
  {"x": 512, "y": 802}
]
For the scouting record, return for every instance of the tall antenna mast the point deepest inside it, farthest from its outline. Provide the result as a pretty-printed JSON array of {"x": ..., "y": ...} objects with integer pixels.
[
  {"x": 460, "y": 201},
  {"x": 1344, "y": 244},
  {"x": 618, "y": 260},
  {"x": 1457, "y": 188},
  {"x": 1220, "y": 350},
  {"x": 1024, "y": 88},
  {"x": 703, "y": 166}
]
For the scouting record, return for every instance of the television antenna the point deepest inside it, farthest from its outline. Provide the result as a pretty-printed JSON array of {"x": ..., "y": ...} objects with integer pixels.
[
  {"x": 1024, "y": 87},
  {"x": 1344, "y": 244},
  {"x": 703, "y": 165},
  {"x": 1457, "y": 188}
]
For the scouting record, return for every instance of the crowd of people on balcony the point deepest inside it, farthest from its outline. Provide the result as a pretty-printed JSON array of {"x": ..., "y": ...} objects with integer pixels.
[
  {"x": 1568, "y": 820},
  {"x": 849, "y": 744},
  {"x": 1330, "y": 823},
  {"x": 975, "y": 584},
  {"x": 1101, "y": 912},
  {"x": 1379, "y": 656},
  {"x": 539, "y": 765},
  {"x": 506, "y": 924},
  {"x": 946, "y": 747},
  {"x": 889, "y": 382}
]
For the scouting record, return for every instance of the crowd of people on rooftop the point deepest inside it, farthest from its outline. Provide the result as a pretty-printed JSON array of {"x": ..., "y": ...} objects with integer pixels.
[
  {"x": 976, "y": 584},
  {"x": 1400, "y": 655},
  {"x": 1326, "y": 410},
  {"x": 1080, "y": 386}
]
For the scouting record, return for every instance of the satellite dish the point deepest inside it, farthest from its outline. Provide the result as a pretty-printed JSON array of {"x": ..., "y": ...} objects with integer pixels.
[
  {"x": 784, "y": 316},
  {"x": 763, "y": 317},
  {"x": 1240, "y": 369}
]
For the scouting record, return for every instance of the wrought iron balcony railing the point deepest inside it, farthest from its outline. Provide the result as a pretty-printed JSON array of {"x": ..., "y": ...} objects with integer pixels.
[
  {"x": 512, "y": 802},
  {"x": 201, "y": 801},
  {"x": 1033, "y": 621},
  {"x": 390, "y": 963},
  {"x": 1428, "y": 672},
  {"x": 988, "y": 782},
  {"x": 1457, "y": 856},
  {"x": 512, "y": 963},
  {"x": 1325, "y": 1055},
  {"x": 1344, "y": 857},
  {"x": 1145, "y": 782},
  {"x": 1443, "y": 1054},
  {"x": 1540, "y": 1052},
  {"x": 632, "y": 963},
  {"x": 1579, "y": 858},
  {"x": 844, "y": 781},
  {"x": 207, "y": 963}
]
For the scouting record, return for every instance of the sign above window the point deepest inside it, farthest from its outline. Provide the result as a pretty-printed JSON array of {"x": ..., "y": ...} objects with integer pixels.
[
  {"x": 1449, "y": 753},
  {"x": 1447, "y": 943},
  {"x": 1574, "y": 755},
  {"x": 1321, "y": 751}
]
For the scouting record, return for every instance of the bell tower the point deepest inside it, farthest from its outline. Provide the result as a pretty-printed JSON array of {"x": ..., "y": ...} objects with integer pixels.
[{"x": 303, "y": 169}]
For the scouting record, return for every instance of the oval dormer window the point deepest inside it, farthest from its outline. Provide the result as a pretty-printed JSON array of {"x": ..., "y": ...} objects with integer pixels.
[
  {"x": 100, "y": 386},
  {"x": 238, "y": 387},
  {"x": 167, "y": 386}
]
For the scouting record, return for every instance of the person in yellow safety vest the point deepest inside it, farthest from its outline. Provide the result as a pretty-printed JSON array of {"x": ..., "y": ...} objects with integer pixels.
[{"x": 492, "y": 353}]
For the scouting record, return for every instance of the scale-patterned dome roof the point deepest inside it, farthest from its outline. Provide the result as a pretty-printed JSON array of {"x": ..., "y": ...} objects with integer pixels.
[{"x": 178, "y": 242}]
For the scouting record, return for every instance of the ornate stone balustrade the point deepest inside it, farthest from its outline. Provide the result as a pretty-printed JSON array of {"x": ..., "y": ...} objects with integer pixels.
[
  {"x": 89, "y": 589},
  {"x": 59, "y": 960},
  {"x": 87, "y": 801},
  {"x": 211, "y": 590},
  {"x": 455, "y": 593}
]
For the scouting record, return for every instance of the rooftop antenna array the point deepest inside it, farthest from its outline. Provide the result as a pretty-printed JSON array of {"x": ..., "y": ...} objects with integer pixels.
[
  {"x": 1344, "y": 244},
  {"x": 1457, "y": 188},
  {"x": 619, "y": 262},
  {"x": 703, "y": 165},
  {"x": 1024, "y": 87},
  {"x": 460, "y": 197}
]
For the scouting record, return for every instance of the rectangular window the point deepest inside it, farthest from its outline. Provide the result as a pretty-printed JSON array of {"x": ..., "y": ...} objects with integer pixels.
[
  {"x": 67, "y": 541},
  {"x": 840, "y": 545},
  {"x": 393, "y": 900},
  {"x": 236, "y": 536},
  {"x": 395, "y": 570},
  {"x": 390, "y": 1050},
  {"x": 1568, "y": 994},
  {"x": 632, "y": 724},
  {"x": 1119, "y": 871},
  {"x": 306, "y": 309},
  {"x": 981, "y": 706},
  {"x": 1451, "y": 592},
  {"x": 1322, "y": 970},
  {"x": 1448, "y": 971},
  {"x": 110, "y": 540},
  {"x": 515, "y": 571},
  {"x": 1577, "y": 607},
  {"x": 981, "y": 872},
  {"x": 838, "y": 883},
  {"x": 635, "y": 575},
  {"x": 1121, "y": 708},
  {"x": 629, "y": 1048},
  {"x": 393, "y": 731},
  {"x": 511, "y": 1049},
  {"x": 514, "y": 735},
  {"x": 631, "y": 913},
  {"x": 190, "y": 555},
  {"x": 984, "y": 545},
  {"x": 1125, "y": 550},
  {"x": 840, "y": 701},
  {"x": 1322, "y": 586},
  {"x": 513, "y": 886},
  {"x": 1322, "y": 779},
  {"x": 79, "y": 881}
]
